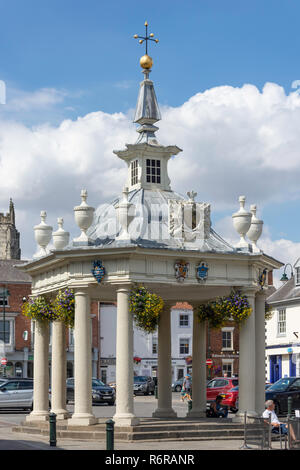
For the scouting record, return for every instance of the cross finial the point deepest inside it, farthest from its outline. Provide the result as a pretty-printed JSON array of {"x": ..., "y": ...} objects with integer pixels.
[{"x": 146, "y": 38}]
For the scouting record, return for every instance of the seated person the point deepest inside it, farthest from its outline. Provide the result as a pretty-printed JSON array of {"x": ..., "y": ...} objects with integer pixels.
[
  {"x": 217, "y": 409},
  {"x": 277, "y": 426}
]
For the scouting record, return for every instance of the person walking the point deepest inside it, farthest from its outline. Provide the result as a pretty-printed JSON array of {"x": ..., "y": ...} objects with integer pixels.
[{"x": 187, "y": 384}]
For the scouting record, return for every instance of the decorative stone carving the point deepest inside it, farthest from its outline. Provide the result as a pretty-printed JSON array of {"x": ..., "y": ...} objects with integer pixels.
[
  {"x": 123, "y": 216},
  {"x": 83, "y": 217},
  {"x": 255, "y": 230},
  {"x": 242, "y": 222},
  {"x": 60, "y": 237},
  {"x": 189, "y": 220},
  {"x": 42, "y": 234}
]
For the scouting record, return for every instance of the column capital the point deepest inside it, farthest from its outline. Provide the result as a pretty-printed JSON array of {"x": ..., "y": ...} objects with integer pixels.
[
  {"x": 249, "y": 291},
  {"x": 262, "y": 293},
  {"x": 124, "y": 287},
  {"x": 80, "y": 290}
]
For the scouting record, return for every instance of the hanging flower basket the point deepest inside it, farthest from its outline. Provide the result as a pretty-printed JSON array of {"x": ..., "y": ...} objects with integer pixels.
[
  {"x": 64, "y": 307},
  {"x": 39, "y": 308},
  {"x": 234, "y": 307},
  {"x": 208, "y": 312},
  {"x": 268, "y": 311},
  {"x": 137, "y": 359},
  {"x": 146, "y": 308}
]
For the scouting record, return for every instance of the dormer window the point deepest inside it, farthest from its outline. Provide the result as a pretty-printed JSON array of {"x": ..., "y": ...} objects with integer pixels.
[
  {"x": 153, "y": 171},
  {"x": 134, "y": 172}
]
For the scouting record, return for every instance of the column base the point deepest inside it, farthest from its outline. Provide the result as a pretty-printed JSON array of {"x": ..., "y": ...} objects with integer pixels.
[
  {"x": 240, "y": 417},
  {"x": 126, "y": 420},
  {"x": 82, "y": 419},
  {"x": 38, "y": 416},
  {"x": 61, "y": 414},
  {"x": 164, "y": 413},
  {"x": 196, "y": 414}
]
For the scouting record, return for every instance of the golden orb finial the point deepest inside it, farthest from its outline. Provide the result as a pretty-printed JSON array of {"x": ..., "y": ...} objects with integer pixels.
[{"x": 146, "y": 61}]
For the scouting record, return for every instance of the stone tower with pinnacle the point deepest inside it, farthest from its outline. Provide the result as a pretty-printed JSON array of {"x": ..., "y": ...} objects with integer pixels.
[{"x": 9, "y": 235}]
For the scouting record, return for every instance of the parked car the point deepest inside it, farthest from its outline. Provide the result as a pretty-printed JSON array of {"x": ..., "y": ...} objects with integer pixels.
[
  {"x": 143, "y": 384},
  {"x": 281, "y": 390},
  {"x": 177, "y": 385},
  {"x": 231, "y": 399},
  {"x": 16, "y": 393},
  {"x": 101, "y": 393},
  {"x": 219, "y": 386},
  {"x": 112, "y": 385}
]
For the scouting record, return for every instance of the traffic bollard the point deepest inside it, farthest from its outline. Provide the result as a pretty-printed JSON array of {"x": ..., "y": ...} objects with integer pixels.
[
  {"x": 110, "y": 434},
  {"x": 52, "y": 429}
]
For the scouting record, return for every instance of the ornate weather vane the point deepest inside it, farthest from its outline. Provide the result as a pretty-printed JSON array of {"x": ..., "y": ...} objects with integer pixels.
[{"x": 146, "y": 61}]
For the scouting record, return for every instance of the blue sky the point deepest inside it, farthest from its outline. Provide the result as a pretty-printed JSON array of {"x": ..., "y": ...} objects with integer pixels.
[
  {"x": 87, "y": 47},
  {"x": 62, "y": 60}
]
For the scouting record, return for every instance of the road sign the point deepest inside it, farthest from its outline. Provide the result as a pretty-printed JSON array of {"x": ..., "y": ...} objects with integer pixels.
[
  {"x": 3, "y": 361},
  {"x": 209, "y": 362}
]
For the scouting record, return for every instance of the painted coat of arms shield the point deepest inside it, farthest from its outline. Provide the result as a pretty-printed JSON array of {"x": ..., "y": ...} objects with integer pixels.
[
  {"x": 181, "y": 270},
  {"x": 98, "y": 271},
  {"x": 202, "y": 271}
]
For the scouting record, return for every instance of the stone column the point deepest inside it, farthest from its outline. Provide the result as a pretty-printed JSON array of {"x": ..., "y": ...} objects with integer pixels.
[
  {"x": 124, "y": 415},
  {"x": 199, "y": 369},
  {"x": 82, "y": 361},
  {"x": 59, "y": 370},
  {"x": 40, "y": 410},
  {"x": 247, "y": 363},
  {"x": 164, "y": 363},
  {"x": 260, "y": 300}
]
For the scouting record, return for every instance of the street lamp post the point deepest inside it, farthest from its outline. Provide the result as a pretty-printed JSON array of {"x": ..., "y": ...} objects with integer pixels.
[
  {"x": 4, "y": 294},
  {"x": 284, "y": 277}
]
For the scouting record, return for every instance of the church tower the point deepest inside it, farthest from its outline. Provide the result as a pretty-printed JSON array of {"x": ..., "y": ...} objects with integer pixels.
[{"x": 9, "y": 235}]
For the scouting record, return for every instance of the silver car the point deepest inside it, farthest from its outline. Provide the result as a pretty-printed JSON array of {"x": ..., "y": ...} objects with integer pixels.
[
  {"x": 143, "y": 384},
  {"x": 16, "y": 393}
]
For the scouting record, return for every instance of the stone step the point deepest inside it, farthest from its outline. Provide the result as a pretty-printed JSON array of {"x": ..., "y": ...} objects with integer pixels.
[
  {"x": 183, "y": 427},
  {"x": 160, "y": 434}
]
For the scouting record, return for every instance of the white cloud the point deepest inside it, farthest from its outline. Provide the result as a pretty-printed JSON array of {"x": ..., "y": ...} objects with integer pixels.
[
  {"x": 235, "y": 141},
  {"x": 42, "y": 98}
]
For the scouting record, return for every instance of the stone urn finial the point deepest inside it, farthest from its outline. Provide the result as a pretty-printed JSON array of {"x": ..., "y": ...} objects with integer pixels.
[
  {"x": 255, "y": 229},
  {"x": 42, "y": 234},
  {"x": 83, "y": 217},
  {"x": 60, "y": 237},
  {"x": 123, "y": 216},
  {"x": 242, "y": 222}
]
